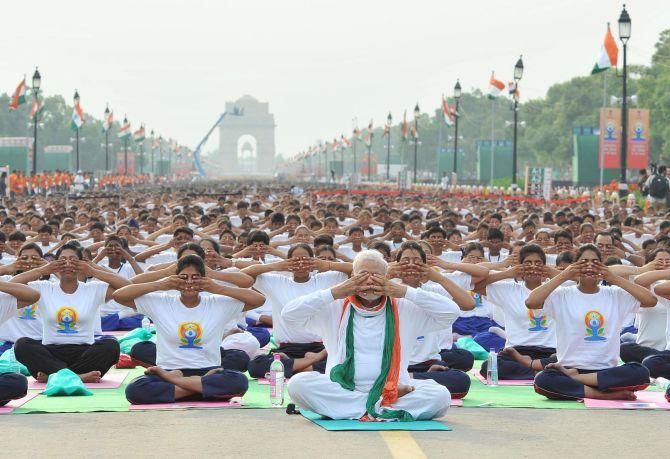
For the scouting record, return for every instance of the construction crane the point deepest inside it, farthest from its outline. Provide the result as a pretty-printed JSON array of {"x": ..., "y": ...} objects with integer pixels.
[{"x": 196, "y": 152}]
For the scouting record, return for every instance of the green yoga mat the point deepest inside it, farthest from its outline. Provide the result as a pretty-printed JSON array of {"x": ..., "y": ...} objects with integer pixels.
[{"x": 350, "y": 424}]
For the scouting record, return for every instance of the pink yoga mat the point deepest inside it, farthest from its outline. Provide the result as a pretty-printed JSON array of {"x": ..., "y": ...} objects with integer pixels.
[
  {"x": 11, "y": 406},
  {"x": 109, "y": 381},
  {"x": 184, "y": 405},
  {"x": 646, "y": 400},
  {"x": 457, "y": 402},
  {"x": 503, "y": 382}
]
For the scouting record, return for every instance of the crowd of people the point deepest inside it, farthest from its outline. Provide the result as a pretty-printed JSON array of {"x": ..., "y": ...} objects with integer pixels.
[
  {"x": 365, "y": 297},
  {"x": 19, "y": 183}
]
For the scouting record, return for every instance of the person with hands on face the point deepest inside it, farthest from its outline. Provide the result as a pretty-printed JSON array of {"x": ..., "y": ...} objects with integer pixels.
[
  {"x": 353, "y": 244},
  {"x": 426, "y": 361},
  {"x": 70, "y": 311},
  {"x": 530, "y": 336},
  {"x": 369, "y": 326},
  {"x": 27, "y": 320},
  {"x": 190, "y": 325},
  {"x": 258, "y": 248},
  {"x": 167, "y": 251},
  {"x": 300, "y": 349},
  {"x": 115, "y": 257},
  {"x": 588, "y": 317}
]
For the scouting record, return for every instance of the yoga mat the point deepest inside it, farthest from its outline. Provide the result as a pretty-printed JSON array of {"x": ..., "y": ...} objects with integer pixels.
[
  {"x": 12, "y": 405},
  {"x": 350, "y": 424},
  {"x": 109, "y": 381},
  {"x": 483, "y": 396},
  {"x": 502, "y": 382},
  {"x": 645, "y": 401},
  {"x": 186, "y": 405}
]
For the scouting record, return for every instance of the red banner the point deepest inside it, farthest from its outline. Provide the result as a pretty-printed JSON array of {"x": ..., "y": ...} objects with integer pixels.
[
  {"x": 638, "y": 138},
  {"x": 609, "y": 155}
]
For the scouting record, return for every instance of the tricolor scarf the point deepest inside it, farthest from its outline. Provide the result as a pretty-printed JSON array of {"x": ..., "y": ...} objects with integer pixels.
[{"x": 386, "y": 384}]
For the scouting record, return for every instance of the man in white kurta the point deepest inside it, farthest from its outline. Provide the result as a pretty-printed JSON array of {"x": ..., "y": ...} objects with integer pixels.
[{"x": 321, "y": 312}]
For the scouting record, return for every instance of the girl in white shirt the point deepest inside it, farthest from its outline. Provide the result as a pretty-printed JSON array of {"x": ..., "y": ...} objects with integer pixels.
[
  {"x": 13, "y": 297},
  {"x": 70, "y": 311},
  {"x": 189, "y": 329},
  {"x": 588, "y": 318}
]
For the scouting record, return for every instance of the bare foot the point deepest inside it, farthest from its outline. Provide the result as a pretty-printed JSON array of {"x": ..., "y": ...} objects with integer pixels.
[
  {"x": 437, "y": 368},
  {"x": 516, "y": 355},
  {"x": 156, "y": 370},
  {"x": 404, "y": 389},
  {"x": 562, "y": 369},
  {"x": 42, "y": 377},
  {"x": 210, "y": 372},
  {"x": 590, "y": 392},
  {"x": 91, "y": 377}
]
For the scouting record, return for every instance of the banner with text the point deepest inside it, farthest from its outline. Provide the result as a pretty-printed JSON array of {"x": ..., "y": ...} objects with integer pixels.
[
  {"x": 610, "y": 142},
  {"x": 638, "y": 138}
]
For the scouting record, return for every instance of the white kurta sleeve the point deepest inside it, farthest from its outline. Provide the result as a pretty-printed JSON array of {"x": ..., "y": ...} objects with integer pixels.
[
  {"x": 433, "y": 312},
  {"x": 310, "y": 312}
]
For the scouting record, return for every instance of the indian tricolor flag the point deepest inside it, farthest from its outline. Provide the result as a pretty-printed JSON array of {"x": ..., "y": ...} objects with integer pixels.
[
  {"x": 368, "y": 135},
  {"x": 37, "y": 109},
  {"x": 495, "y": 87},
  {"x": 609, "y": 53},
  {"x": 107, "y": 122},
  {"x": 139, "y": 136},
  {"x": 124, "y": 131},
  {"x": 403, "y": 129},
  {"x": 447, "y": 112},
  {"x": 19, "y": 97},
  {"x": 77, "y": 117}
]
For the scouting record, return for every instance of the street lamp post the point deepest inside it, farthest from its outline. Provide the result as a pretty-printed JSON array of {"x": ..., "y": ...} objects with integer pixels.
[
  {"x": 76, "y": 102},
  {"x": 152, "y": 152},
  {"x": 624, "y": 35},
  {"x": 417, "y": 111},
  {"x": 37, "y": 82},
  {"x": 518, "y": 73},
  {"x": 457, "y": 96},
  {"x": 125, "y": 148},
  {"x": 107, "y": 139},
  {"x": 369, "y": 157},
  {"x": 389, "y": 120}
]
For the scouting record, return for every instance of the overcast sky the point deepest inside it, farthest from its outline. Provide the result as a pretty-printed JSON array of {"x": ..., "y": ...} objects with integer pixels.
[{"x": 173, "y": 64}]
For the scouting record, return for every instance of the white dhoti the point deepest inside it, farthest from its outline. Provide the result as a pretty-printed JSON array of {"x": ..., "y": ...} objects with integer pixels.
[
  {"x": 315, "y": 392},
  {"x": 244, "y": 341}
]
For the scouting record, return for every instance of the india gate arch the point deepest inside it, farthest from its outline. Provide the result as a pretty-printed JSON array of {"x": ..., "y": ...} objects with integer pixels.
[{"x": 247, "y": 138}]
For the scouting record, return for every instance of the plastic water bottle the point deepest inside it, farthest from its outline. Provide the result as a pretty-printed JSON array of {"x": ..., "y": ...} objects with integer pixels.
[
  {"x": 276, "y": 382},
  {"x": 146, "y": 324},
  {"x": 662, "y": 383},
  {"x": 492, "y": 369}
]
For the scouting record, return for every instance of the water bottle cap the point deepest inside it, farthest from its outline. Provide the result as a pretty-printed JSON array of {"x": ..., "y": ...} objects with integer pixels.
[
  {"x": 277, "y": 357},
  {"x": 492, "y": 349}
]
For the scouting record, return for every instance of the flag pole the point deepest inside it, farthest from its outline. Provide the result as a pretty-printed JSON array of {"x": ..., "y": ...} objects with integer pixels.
[
  {"x": 493, "y": 135},
  {"x": 602, "y": 157},
  {"x": 439, "y": 147}
]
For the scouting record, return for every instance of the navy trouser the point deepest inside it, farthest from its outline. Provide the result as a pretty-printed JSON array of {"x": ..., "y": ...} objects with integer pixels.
[
  {"x": 633, "y": 352},
  {"x": 222, "y": 385},
  {"x": 112, "y": 322},
  {"x": 658, "y": 364},
  {"x": 260, "y": 365},
  {"x": 473, "y": 325},
  {"x": 458, "y": 359},
  {"x": 231, "y": 359},
  {"x": 556, "y": 385},
  {"x": 12, "y": 386},
  {"x": 5, "y": 345},
  {"x": 489, "y": 341},
  {"x": 262, "y": 334},
  {"x": 80, "y": 358},
  {"x": 510, "y": 369},
  {"x": 456, "y": 381}
]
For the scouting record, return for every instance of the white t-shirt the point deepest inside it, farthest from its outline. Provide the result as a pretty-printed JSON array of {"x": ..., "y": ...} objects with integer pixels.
[
  {"x": 168, "y": 256},
  {"x": 451, "y": 256},
  {"x": 523, "y": 326},
  {"x": 188, "y": 338},
  {"x": 279, "y": 289},
  {"x": 126, "y": 271},
  {"x": 8, "y": 305},
  {"x": 69, "y": 318},
  {"x": 652, "y": 325},
  {"x": 348, "y": 251},
  {"x": 588, "y": 325},
  {"x": 666, "y": 304}
]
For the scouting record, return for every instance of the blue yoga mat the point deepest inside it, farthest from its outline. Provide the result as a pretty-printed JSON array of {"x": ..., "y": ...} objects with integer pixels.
[{"x": 350, "y": 424}]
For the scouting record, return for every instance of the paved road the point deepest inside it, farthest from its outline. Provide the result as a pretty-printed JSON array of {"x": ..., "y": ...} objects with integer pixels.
[{"x": 481, "y": 433}]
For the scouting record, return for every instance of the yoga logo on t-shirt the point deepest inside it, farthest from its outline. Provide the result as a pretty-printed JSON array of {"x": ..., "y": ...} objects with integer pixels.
[
  {"x": 28, "y": 313},
  {"x": 66, "y": 317},
  {"x": 595, "y": 326},
  {"x": 537, "y": 323},
  {"x": 477, "y": 297},
  {"x": 190, "y": 335}
]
